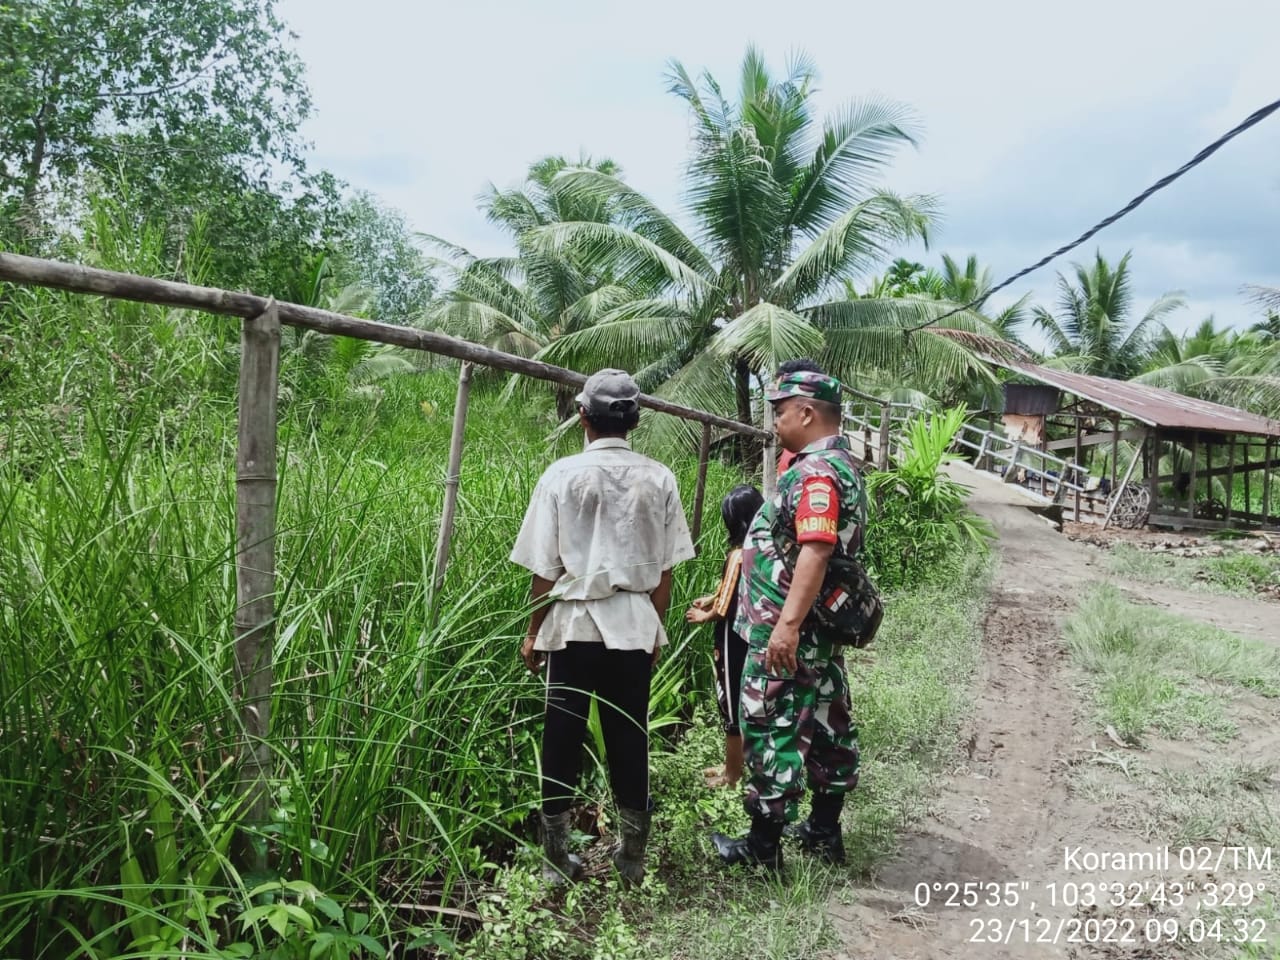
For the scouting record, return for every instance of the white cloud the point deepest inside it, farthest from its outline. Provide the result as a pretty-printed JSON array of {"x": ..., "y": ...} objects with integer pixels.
[{"x": 1038, "y": 121}]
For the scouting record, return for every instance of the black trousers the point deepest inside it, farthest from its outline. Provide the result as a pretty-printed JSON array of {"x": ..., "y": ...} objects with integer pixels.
[{"x": 619, "y": 679}]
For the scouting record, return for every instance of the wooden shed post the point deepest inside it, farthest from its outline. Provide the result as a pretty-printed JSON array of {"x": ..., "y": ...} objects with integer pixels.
[
  {"x": 254, "y": 621},
  {"x": 886, "y": 415},
  {"x": 1115, "y": 449},
  {"x": 1266, "y": 481},
  {"x": 1231, "y": 477},
  {"x": 1248, "y": 496},
  {"x": 1191, "y": 487},
  {"x": 1079, "y": 453},
  {"x": 1153, "y": 469},
  {"x": 700, "y": 492}
]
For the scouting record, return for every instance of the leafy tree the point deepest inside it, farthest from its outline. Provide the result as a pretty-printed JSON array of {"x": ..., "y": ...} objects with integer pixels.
[
  {"x": 375, "y": 250},
  {"x": 1093, "y": 331},
  {"x": 953, "y": 283},
  {"x": 142, "y": 89}
]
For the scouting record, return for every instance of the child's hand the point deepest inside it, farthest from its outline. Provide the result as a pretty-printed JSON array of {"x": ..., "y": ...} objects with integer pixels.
[
  {"x": 704, "y": 603},
  {"x": 695, "y": 615}
]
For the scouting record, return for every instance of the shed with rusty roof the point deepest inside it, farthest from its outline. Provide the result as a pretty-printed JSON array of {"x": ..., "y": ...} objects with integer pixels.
[{"x": 1203, "y": 465}]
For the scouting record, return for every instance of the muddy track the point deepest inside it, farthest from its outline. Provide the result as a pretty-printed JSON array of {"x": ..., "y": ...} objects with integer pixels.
[{"x": 1007, "y": 813}]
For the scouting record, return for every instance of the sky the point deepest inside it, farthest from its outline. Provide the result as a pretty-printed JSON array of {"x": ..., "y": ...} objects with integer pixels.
[{"x": 1038, "y": 120}]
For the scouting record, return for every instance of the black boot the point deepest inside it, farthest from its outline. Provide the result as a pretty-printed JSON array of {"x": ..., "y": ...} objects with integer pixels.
[
  {"x": 559, "y": 866},
  {"x": 760, "y": 847},
  {"x": 826, "y": 843},
  {"x": 820, "y": 835},
  {"x": 633, "y": 826}
]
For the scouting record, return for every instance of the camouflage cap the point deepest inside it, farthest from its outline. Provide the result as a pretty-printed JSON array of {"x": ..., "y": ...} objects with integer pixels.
[{"x": 805, "y": 383}]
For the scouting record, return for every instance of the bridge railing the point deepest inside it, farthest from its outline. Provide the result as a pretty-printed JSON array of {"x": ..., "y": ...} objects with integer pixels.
[{"x": 880, "y": 425}]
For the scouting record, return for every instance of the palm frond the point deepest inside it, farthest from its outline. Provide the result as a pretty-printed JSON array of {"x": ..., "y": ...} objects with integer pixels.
[
  {"x": 636, "y": 211},
  {"x": 1183, "y": 376},
  {"x": 853, "y": 243},
  {"x": 451, "y": 250},
  {"x": 870, "y": 335},
  {"x": 478, "y": 322},
  {"x": 856, "y": 145},
  {"x": 379, "y": 366},
  {"x": 1266, "y": 297},
  {"x": 766, "y": 335},
  {"x": 630, "y": 336},
  {"x": 705, "y": 383},
  {"x": 593, "y": 306},
  {"x": 1259, "y": 394},
  {"x": 631, "y": 258},
  {"x": 741, "y": 207}
]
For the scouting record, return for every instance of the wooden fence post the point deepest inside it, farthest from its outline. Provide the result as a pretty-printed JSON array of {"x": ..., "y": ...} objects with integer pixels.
[
  {"x": 256, "y": 570},
  {"x": 700, "y": 493}
]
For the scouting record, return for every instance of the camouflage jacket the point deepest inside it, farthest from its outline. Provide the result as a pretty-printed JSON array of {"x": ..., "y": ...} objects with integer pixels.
[{"x": 820, "y": 497}]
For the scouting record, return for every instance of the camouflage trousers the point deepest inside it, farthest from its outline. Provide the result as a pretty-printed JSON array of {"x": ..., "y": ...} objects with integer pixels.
[{"x": 795, "y": 728}]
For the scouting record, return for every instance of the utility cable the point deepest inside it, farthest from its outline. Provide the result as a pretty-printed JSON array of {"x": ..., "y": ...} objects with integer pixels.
[{"x": 1254, "y": 118}]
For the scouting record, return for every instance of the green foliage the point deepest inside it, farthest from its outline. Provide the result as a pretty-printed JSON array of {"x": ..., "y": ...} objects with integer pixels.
[
  {"x": 157, "y": 88},
  {"x": 1242, "y": 572},
  {"x": 787, "y": 206},
  {"x": 920, "y": 522},
  {"x": 1235, "y": 573},
  {"x": 1093, "y": 329},
  {"x": 375, "y": 250},
  {"x": 1153, "y": 670}
]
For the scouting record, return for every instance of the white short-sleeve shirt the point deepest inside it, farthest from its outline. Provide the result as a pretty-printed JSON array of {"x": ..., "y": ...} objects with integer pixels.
[{"x": 603, "y": 525}]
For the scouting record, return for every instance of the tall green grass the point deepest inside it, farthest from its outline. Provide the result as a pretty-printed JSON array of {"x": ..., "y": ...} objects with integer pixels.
[{"x": 118, "y": 720}]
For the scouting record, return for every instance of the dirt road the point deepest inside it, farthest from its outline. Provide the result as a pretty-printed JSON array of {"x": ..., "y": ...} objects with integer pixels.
[{"x": 1008, "y": 814}]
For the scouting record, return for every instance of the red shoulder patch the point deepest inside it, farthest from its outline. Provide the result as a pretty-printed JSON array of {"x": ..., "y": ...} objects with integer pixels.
[{"x": 818, "y": 513}]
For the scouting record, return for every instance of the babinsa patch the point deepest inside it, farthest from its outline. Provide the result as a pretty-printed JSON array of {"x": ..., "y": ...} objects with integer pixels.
[{"x": 820, "y": 498}]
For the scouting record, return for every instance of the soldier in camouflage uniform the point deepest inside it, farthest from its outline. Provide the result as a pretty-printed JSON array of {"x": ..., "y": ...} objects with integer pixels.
[{"x": 795, "y": 707}]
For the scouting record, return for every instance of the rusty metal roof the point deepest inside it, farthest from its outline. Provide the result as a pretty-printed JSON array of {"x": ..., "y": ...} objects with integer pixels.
[{"x": 1146, "y": 404}]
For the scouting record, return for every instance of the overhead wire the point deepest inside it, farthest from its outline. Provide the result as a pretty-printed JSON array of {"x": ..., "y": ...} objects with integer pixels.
[{"x": 1253, "y": 119}]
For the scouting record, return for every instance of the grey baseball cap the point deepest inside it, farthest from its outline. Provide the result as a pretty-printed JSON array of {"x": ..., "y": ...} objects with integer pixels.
[{"x": 609, "y": 392}]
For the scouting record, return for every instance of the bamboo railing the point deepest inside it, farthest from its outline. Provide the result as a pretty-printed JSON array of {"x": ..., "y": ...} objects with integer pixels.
[{"x": 256, "y": 468}]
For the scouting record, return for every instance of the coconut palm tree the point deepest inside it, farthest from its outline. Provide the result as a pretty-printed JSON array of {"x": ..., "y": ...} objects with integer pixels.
[
  {"x": 1092, "y": 331},
  {"x": 1183, "y": 363},
  {"x": 973, "y": 282},
  {"x": 523, "y": 304},
  {"x": 1250, "y": 377},
  {"x": 786, "y": 208}
]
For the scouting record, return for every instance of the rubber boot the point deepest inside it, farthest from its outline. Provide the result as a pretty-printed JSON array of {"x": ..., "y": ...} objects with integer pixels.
[
  {"x": 633, "y": 827},
  {"x": 760, "y": 847},
  {"x": 820, "y": 834},
  {"x": 559, "y": 866}
]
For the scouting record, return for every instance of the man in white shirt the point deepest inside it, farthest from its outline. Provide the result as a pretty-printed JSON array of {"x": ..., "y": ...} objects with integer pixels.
[{"x": 602, "y": 532}]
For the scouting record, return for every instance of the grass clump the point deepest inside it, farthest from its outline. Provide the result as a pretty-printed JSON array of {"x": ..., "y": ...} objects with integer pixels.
[
  {"x": 1154, "y": 671},
  {"x": 1233, "y": 573}
]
